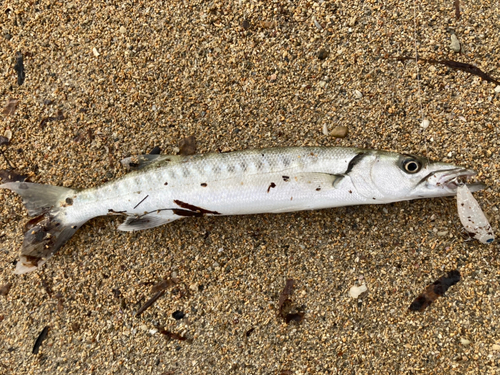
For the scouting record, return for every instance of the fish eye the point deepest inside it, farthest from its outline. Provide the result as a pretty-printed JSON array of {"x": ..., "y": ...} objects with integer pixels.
[{"x": 411, "y": 166}]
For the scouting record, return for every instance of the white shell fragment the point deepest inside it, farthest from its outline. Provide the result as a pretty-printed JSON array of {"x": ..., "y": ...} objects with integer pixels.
[
  {"x": 472, "y": 217},
  {"x": 356, "y": 291}
]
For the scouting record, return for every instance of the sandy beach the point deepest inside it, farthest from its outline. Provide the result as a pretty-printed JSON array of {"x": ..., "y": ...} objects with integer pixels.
[{"x": 107, "y": 80}]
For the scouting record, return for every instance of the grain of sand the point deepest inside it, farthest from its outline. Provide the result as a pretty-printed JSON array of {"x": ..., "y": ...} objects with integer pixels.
[{"x": 129, "y": 76}]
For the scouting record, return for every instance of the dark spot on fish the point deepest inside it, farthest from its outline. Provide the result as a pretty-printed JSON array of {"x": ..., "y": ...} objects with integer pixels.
[
  {"x": 185, "y": 172},
  {"x": 354, "y": 161},
  {"x": 166, "y": 183},
  {"x": 318, "y": 189},
  {"x": 204, "y": 184},
  {"x": 260, "y": 165},
  {"x": 243, "y": 166},
  {"x": 230, "y": 168},
  {"x": 195, "y": 209},
  {"x": 23, "y": 186},
  {"x": 350, "y": 191},
  {"x": 286, "y": 162},
  {"x": 286, "y": 178},
  {"x": 69, "y": 201},
  {"x": 374, "y": 198},
  {"x": 272, "y": 185}
]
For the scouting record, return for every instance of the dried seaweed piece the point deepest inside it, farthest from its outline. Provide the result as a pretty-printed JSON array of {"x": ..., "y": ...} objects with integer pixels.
[
  {"x": 5, "y": 289},
  {"x": 116, "y": 293},
  {"x": 4, "y": 140},
  {"x": 59, "y": 116},
  {"x": 42, "y": 336},
  {"x": 75, "y": 326},
  {"x": 149, "y": 303},
  {"x": 285, "y": 294},
  {"x": 19, "y": 68},
  {"x": 464, "y": 67},
  {"x": 162, "y": 285},
  {"x": 187, "y": 146},
  {"x": 172, "y": 335},
  {"x": 46, "y": 285},
  {"x": 457, "y": 9},
  {"x": 285, "y": 304},
  {"x": 11, "y": 176},
  {"x": 249, "y": 332},
  {"x": 433, "y": 291},
  {"x": 10, "y": 107}
]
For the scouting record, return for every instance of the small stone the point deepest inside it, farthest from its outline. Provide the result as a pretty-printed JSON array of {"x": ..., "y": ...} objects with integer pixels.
[
  {"x": 95, "y": 52},
  {"x": 352, "y": 21},
  {"x": 7, "y": 36},
  {"x": 358, "y": 94},
  {"x": 497, "y": 89},
  {"x": 339, "y": 131},
  {"x": 322, "y": 54},
  {"x": 455, "y": 44},
  {"x": 464, "y": 341},
  {"x": 8, "y": 134},
  {"x": 143, "y": 327},
  {"x": 123, "y": 30},
  {"x": 245, "y": 24},
  {"x": 442, "y": 233},
  {"x": 425, "y": 123},
  {"x": 356, "y": 291},
  {"x": 272, "y": 77},
  {"x": 495, "y": 347}
]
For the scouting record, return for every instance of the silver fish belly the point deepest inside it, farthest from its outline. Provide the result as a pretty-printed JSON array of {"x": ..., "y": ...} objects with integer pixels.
[{"x": 165, "y": 188}]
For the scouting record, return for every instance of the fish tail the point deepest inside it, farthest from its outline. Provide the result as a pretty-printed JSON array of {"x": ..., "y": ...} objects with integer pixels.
[{"x": 49, "y": 229}]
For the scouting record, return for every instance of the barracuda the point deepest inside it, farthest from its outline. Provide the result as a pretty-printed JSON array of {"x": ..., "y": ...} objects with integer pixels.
[{"x": 163, "y": 188}]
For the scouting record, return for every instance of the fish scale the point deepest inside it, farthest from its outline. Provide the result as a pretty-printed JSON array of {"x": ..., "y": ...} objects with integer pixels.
[{"x": 165, "y": 188}]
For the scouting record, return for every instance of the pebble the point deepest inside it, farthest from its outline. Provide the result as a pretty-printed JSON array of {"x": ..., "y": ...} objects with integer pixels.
[
  {"x": 356, "y": 291},
  {"x": 497, "y": 89},
  {"x": 455, "y": 43},
  {"x": 339, "y": 131},
  {"x": 495, "y": 347},
  {"x": 464, "y": 342},
  {"x": 95, "y": 52},
  {"x": 322, "y": 54},
  {"x": 425, "y": 123},
  {"x": 8, "y": 134},
  {"x": 358, "y": 94},
  {"x": 123, "y": 30}
]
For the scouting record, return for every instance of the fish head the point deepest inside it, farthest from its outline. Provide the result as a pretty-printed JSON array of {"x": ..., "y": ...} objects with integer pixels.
[{"x": 406, "y": 176}]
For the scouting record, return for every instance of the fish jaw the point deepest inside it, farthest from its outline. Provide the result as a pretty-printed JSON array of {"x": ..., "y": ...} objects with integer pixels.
[{"x": 445, "y": 181}]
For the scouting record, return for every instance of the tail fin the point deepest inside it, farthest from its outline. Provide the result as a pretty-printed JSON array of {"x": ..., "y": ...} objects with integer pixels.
[{"x": 48, "y": 230}]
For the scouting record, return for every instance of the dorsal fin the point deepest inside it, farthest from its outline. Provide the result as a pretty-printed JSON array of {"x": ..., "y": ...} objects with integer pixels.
[{"x": 143, "y": 161}]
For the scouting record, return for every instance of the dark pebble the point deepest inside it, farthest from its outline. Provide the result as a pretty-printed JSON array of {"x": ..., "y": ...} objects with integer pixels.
[
  {"x": 177, "y": 315},
  {"x": 322, "y": 54}
]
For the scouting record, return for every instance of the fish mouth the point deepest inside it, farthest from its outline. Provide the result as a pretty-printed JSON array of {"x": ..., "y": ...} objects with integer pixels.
[{"x": 451, "y": 179}]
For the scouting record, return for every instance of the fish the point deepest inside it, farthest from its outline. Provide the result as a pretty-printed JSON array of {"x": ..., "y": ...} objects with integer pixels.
[{"x": 160, "y": 189}]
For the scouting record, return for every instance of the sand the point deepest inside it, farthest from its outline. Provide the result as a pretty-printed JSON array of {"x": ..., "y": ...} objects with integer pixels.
[{"x": 114, "y": 79}]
